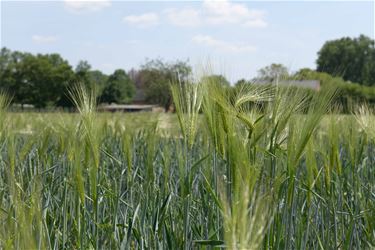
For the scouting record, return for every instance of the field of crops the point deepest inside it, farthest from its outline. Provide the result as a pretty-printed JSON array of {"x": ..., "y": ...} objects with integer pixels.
[{"x": 257, "y": 168}]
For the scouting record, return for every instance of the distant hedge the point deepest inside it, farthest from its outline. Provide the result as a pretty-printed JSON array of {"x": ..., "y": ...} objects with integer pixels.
[{"x": 349, "y": 94}]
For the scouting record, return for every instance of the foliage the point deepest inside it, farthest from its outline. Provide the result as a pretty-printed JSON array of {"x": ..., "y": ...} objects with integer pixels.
[
  {"x": 351, "y": 94},
  {"x": 241, "y": 82},
  {"x": 37, "y": 80},
  {"x": 119, "y": 88},
  {"x": 351, "y": 58},
  {"x": 220, "y": 79},
  {"x": 156, "y": 77},
  {"x": 233, "y": 177},
  {"x": 98, "y": 80},
  {"x": 94, "y": 80},
  {"x": 82, "y": 73},
  {"x": 273, "y": 72}
]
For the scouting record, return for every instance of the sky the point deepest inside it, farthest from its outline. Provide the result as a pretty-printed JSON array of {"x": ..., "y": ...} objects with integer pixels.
[{"x": 233, "y": 38}]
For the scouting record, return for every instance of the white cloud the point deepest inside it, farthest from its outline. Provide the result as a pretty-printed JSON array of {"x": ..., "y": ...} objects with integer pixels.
[
  {"x": 144, "y": 20},
  {"x": 80, "y": 6},
  {"x": 217, "y": 12},
  {"x": 212, "y": 12},
  {"x": 225, "y": 12},
  {"x": 222, "y": 45},
  {"x": 44, "y": 39},
  {"x": 188, "y": 17}
]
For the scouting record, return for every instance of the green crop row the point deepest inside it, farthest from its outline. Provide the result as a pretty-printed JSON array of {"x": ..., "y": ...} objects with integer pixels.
[{"x": 254, "y": 168}]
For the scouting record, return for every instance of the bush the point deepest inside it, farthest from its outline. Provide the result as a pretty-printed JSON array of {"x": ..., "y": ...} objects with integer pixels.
[{"x": 349, "y": 94}]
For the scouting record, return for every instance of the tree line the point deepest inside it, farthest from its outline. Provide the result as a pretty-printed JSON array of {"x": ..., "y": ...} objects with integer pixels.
[{"x": 43, "y": 79}]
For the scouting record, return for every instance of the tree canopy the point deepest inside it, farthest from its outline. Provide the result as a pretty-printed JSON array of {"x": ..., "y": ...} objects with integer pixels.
[
  {"x": 43, "y": 79},
  {"x": 218, "y": 79},
  {"x": 348, "y": 92},
  {"x": 351, "y": 58},
  {"x": 119, "y": 88},
  {"x": 156, "y": 77},
  {"x": 273, "y": 72},
  {"x": 34, "y": 79}
]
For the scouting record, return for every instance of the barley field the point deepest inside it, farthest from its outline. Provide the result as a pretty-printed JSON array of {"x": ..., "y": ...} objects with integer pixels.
[{"x": 255, "y": 168}]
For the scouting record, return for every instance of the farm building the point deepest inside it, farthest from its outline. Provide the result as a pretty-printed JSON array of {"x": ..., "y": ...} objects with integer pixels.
[{"x": 126, "y": 108}]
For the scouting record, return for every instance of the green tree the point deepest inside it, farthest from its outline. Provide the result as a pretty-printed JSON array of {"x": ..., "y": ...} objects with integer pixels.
[
  {"x": 241, "y": 82},
  {"x": 5, "y": 61},
  {"x": 47, "y": 77},
  {"x": 219, "y": 79},
  {"x": 349, "y": 94},
  {"x": 11, "y": 75},
  {"x": 92, "y": 79},
  {"x": 40, "y": 80},
  {"x": 82, "y": 73},
  {"x": 273, "y": 72},
  {"x": 323, "y": 77},
  {"x": 156, "y": 76},
  {"x": 119, "y": 88},
  {"x": 82, "y": 66},
  {"x": 351, "y": 58},
  {"x": 98, "y": 79}
]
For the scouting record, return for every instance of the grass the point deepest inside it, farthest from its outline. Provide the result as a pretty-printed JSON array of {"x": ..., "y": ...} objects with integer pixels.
[{"x": 255, "y": 168}]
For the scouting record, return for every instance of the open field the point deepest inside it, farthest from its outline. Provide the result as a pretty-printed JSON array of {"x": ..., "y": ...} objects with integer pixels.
[{"x": 222, "y": 172}]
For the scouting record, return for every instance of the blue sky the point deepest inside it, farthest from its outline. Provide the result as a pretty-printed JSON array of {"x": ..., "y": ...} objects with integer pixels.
[{"x": 235, "y": 38}]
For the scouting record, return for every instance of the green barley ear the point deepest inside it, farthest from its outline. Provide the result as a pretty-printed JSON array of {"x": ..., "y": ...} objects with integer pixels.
[
  {"x": 90, "y": 134},
  {"x": 319, "y": 106},
  {"x": 246, "y": 101},
  {"x": 187, "y": 100},
  {"x": 218, "y": 110},
  {"x": 4, "y": 103},
  {"x": 85, "y": 102},
  {"x": 247, "y": 217},
  {"x": 366, "y": 119},
  {"x": 252, "y": 93},
  {"x": 83, "y": 99}
]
